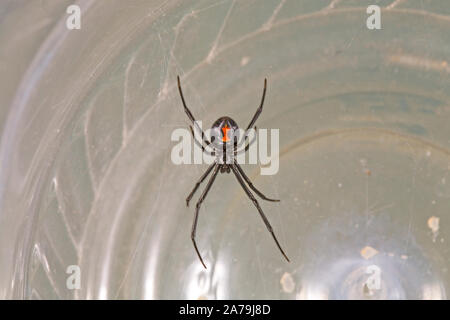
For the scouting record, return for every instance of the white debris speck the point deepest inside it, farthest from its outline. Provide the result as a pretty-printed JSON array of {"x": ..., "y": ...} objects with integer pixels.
[
  {"x": 244, "y": 61},
  {"x": 55, "y": 183},
  {"x": 368, "y": 252},
  {"x": 340, "y": 185},
  {"x": 287, "y": 283},
  {"x": 433, "y": 224},
  {"x": 428, "y": 153}
]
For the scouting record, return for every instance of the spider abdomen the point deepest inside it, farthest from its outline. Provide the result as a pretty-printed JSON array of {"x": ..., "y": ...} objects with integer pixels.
[{"x": 223, "y": 131}]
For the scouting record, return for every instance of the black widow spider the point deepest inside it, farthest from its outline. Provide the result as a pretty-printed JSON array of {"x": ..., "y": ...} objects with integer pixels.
[{"x": 225, "y": 161}]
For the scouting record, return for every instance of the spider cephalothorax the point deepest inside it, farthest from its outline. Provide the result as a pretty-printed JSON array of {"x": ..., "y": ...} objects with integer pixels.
[{"x": 224, "y": 146}]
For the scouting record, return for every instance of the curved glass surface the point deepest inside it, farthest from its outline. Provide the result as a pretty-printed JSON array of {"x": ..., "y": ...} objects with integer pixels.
[{"x": 364, "y": 176}]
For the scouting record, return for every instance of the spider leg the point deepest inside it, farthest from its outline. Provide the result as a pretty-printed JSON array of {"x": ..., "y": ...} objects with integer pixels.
[
  {"x": 200, "y": 145},
  {"x": 250, "y": 184},
  {"x": 189, "y": 113},
  {"x": 255, "y": 202},
  {"x": 197, "y": 209},
  {"x": 259, "y": 110},
  {"x": 247, "y": 146},
  {"x": 197, "y": 184},
  {"x": 246, "y": 137}
]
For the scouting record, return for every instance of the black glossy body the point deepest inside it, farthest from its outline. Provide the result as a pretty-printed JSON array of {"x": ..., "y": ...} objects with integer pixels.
[{"x": 223, "y": 139}]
